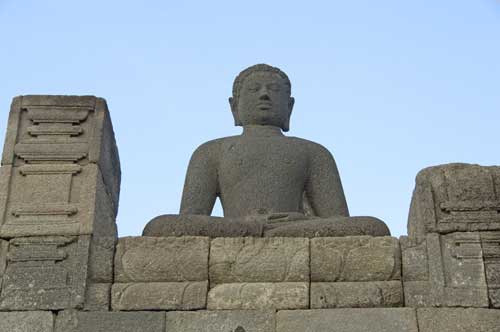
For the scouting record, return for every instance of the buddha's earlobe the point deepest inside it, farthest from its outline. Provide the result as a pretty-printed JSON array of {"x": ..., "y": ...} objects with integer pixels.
[
  {"x": 234, "y": 111},
  {"x": 286, "y": 124}
]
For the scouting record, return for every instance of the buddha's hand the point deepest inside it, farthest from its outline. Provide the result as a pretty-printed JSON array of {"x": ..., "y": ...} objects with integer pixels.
[{"x": 284, "y": 217}]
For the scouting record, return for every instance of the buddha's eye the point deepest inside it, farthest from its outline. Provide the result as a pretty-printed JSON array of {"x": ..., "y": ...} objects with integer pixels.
[
  {"x": 254, "y": 87},
  {"x": 273, "y": 87}
]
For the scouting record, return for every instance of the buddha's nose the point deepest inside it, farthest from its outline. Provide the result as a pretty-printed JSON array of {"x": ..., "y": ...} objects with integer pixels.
[{"x": 264, "y": 95}]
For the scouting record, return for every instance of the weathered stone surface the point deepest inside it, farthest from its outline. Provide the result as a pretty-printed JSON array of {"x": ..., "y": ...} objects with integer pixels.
[
  {"x": 456, "y": 275},
  {"x": 141, "y": 259},
  {"x": 61, "y": 166},
  {"x": 458, "y": 320},
  {"x": 236, "y": 260},
  {"x": 56, "y": 199},
  {"x": 4, "y": 247},
  {"x": 268, "y": 183},
  {"x": 356, "y": 294},
  {"x": 45, "y": 273},
  {"x": 248, "y": 296},
  {"x": 490, "y": 242},
  {"x": 347, "y": 320},
  {"x": 159, "y": 296},
  {"x": 221, "y": 320},
  {"x": 98, "y": 297},
  {"x": 356, "y": 258},
  {"x": 26, "y": 321},
  {"x": 77, "y": 321},
  {"x": 455, "y": 197},
  {"x": 415, "y": 265},
  {"x": 102, "y": 252}
]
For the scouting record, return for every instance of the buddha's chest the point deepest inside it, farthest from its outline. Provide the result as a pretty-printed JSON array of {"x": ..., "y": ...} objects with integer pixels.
[{"x": 263, "y": 162}]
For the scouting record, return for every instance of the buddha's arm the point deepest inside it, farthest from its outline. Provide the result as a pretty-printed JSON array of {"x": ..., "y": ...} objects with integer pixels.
[
  {"x": 200, "y": 186},
  {"x": 324, "y": 188}
]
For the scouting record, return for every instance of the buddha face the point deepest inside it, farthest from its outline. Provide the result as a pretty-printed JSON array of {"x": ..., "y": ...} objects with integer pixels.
[{"x": 264, "y": 99}]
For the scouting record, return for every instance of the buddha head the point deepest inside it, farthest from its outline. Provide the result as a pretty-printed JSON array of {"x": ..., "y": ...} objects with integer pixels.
[{"x": 262, "y": 96}]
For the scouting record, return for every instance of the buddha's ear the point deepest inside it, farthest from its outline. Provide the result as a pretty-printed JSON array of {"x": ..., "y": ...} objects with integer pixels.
[
  {"x": 286, "y": 125},
  {"x": 234, "y": 110}
]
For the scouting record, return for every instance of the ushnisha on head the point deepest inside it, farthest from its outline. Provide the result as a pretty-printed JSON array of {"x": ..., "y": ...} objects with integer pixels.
[{"x": 262, "y": 96}]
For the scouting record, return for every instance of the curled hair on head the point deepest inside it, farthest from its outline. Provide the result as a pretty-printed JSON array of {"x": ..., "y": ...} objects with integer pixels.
[{"x": 238, "y": 82}]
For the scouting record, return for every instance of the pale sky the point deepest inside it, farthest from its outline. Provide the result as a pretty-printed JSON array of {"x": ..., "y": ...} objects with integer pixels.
[{"x": 389, "y": 87}]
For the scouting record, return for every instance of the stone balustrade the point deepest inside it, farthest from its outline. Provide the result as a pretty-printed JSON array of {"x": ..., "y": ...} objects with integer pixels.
[{"x": 63, "y": 269}]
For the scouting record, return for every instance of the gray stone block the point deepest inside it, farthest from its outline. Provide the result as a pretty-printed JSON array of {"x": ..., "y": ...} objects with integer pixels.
[
  {"x": 456, "y": 274},
  {"x": 347, "y": 320},
  {"x": 98, "y": 297},
  {"x": 159, "y": 296},
  {"x": 45, "y": 273},
  {"x": 455, "y": 197},
  {"x": 61, "y": 170},
  {"x": 415, "y": 265},
  {"x": 26, "y": 321},
  {"x": 4, "y": 247},
  {"x": 77, "y": 321},
  {"x": 326, "y": 295},
  {"x": 221, "y": 320},
  {"x": 237, "y": 260},
  {"x": 355, "y": 258},
  {"x": 490, "y": 242},
  {"x": 170, "y": 259},
  {"x": 102, "y": 252},
  {"x": 252, "y": 296},
  {"x": 458, "y": 320},
  {"x": 55, "y": 199}
]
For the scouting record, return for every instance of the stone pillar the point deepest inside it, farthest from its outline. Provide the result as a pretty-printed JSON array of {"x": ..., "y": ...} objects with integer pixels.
[
  {"x": 451, "y": 256},
  {"x": 59, "y": 190}
]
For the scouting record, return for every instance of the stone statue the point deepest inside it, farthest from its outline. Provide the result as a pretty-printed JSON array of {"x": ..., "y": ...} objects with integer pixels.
[{"x": 269, "y": 184}]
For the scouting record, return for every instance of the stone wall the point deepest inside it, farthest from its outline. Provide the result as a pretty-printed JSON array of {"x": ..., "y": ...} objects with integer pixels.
[{"x": 62, "y": 268}]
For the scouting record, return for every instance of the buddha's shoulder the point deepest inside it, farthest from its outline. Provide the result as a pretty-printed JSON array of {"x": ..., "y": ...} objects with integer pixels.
[
  {"x": 215, "y": 144},
  {"x": 307, "y": 144}
]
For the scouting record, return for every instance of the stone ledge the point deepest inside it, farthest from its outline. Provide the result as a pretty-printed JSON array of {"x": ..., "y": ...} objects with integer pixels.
[
  {"x": 222, "y": 321},
  {"x": 356, "y": 294},
  {"x": 26, "y": 321},
  {"x": 77, "y": 321},
  {"x": 458, "y": 319},
  {"x": 159, "y": 296},
  {"x": 278, "y": 295},
  {"x": 240, "y": 260},
  {"x": 161, "y": 259},
  {"x": 347, "y": 320}
]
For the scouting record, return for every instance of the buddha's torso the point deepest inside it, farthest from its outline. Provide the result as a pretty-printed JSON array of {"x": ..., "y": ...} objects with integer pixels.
[{"x": 260, "y": 175}]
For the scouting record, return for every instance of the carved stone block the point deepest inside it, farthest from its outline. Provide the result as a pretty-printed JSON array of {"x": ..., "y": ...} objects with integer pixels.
[
  {"x": 4, "y": 247},
  {"x": 490, "y": 242},
  {"x": 172, "y": 259},
  {"x": 455, "y": 198},
  {"x": 356, "y": 294},
  {"x": 221, "y": 320},
  {"x": 98, "y": 297},
  {"x": 458, "y": 319},
  {"x": 356, "y": 258},
  {"x": 26, "y": 321},
  {"x": 47, "y": 273},
  {"x": 251, "y": 296},
  {"x": 102, "y": 252},
  {"x": 78, "y": 321},
  {"x": 236, "y": 260},
  {"x": 159, "y": 296},
  {"x": 347, "y": 320},
  {"x": 455, "y": 271},
  {"x": 60, "y": 173}
]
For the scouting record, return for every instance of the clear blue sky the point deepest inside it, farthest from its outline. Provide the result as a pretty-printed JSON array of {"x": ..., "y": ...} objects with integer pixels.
[{"x": 389, "y": 87}]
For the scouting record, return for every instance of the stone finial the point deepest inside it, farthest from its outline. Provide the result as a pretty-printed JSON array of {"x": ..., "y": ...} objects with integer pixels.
[
  {"x": 60, "y": 170},
  {"x": 455, "y": 197}
]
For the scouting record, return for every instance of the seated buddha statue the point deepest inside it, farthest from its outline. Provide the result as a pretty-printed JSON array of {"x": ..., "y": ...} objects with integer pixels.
[{"x": 268, "y": 184}]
